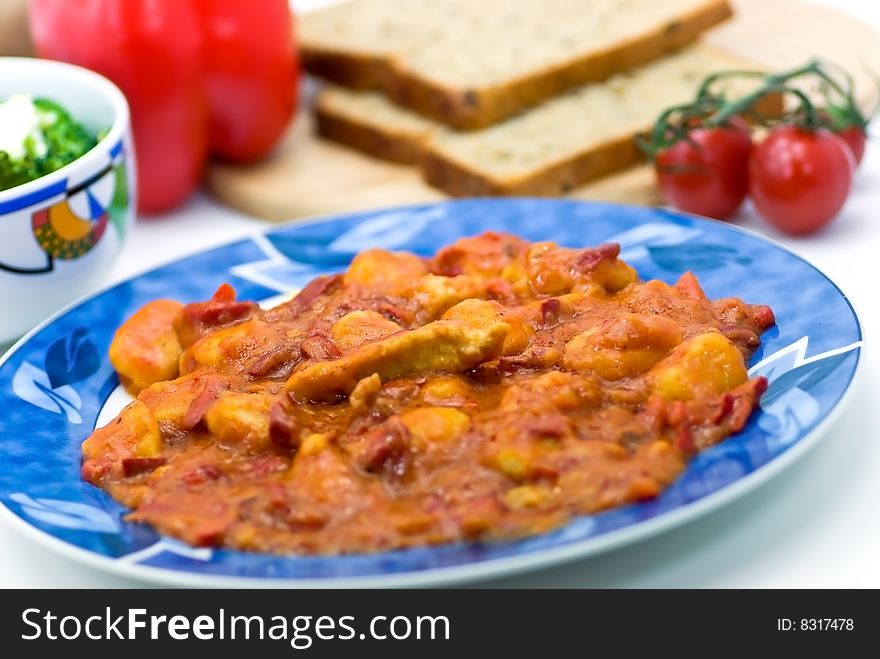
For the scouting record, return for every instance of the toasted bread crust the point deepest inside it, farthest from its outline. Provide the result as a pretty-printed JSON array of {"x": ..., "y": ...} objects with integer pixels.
[
  {"x": 471, "y": 109},
  {"x": 458, "y": 180},
  {"x": 346, "y": 118},
  {"x": 372, "y": 140},
  {"x": 356, "y": 71}
]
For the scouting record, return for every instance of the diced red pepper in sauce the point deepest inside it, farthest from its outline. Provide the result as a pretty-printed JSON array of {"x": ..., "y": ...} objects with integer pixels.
[{"x": 490, "y": 392}]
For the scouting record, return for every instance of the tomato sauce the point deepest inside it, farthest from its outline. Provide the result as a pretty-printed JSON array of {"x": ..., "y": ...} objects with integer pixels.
[{"x": 489, "y": 392}]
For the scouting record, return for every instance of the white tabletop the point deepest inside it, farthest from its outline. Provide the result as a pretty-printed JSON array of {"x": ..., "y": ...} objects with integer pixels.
[{"x": 814, "y": 525}]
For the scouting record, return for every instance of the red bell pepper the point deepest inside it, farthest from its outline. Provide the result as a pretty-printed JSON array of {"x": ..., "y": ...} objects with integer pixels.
[{"x": 203, "y": 77}]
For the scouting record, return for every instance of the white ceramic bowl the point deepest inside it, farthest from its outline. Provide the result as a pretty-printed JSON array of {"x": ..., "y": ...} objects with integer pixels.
[{"x": 60, "y": 234}]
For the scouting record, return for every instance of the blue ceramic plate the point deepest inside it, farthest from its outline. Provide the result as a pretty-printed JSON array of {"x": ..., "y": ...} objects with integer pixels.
[{"x": 56, "y": 382}]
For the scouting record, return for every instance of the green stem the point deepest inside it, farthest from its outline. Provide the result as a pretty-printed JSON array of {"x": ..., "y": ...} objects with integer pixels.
[
  {"x": 814, "y": 67},
  {"x": 744, "y": 104},
  {"x": 774, "y": 78},
  {"x": 732, "y": 73},
  {"x": 819, "y": 70},
  {"x": 712, "y": 110}
]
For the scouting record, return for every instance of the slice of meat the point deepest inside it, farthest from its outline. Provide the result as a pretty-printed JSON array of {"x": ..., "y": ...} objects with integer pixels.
[
  {"x": 319, "y": 347},
  {"x": 138, "y": 466},
  {"x": 200, "y": 520},
  {"x": 384, "y": 449},
  {"x": 316, "y": 288},
  {"x": 201, "y": 474},
  {"x": 282, "y": 426},
  {"x": 277, "y": 363},
  {"x": 211, "y": 389},
  {"x": 133, "y": 434},
  {"x": 445, "y": 345},
  {"x": 590, "y": 258},
  {"x": 689, "y": 286},
  {"x": 199, "y": 318}
]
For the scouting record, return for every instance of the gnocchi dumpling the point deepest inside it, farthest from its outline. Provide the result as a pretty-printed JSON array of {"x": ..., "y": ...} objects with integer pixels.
[
  {"x": 483, "y": 314},
  {"x": 390, "y": 271},
  {"x": 145, "y": 348},
  {"x": 704, "y": 365},
  {"x": 629, "y": 345},
  {"x": 356, "y": 328}
]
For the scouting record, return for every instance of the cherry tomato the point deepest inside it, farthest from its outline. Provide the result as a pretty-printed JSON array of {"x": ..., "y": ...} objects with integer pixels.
[
  {"x": 707, "y": 174},
  {"x": 855, "y": 138},
  {"x": 799, "y": 179}
]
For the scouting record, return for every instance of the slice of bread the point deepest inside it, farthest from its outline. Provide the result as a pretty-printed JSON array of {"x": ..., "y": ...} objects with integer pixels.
[
  {"x": 567, "y": 141},
  {"x": 369, "y": 122},
  {"x": 471, "y": 63}
]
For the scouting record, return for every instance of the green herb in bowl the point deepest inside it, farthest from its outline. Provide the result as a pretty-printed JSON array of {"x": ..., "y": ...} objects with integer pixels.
[{"x": 37, "y": 136}]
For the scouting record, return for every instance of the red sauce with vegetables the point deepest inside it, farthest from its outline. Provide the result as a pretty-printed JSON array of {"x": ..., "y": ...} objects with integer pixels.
[{"x": 490, "y": 392}]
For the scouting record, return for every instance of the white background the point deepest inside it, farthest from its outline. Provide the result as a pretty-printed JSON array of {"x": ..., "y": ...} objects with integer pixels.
[{"x": 815, "y": 525}]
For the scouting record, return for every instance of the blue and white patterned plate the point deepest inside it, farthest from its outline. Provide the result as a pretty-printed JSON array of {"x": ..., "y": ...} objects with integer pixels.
[{"x": 55, "y": 383}]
